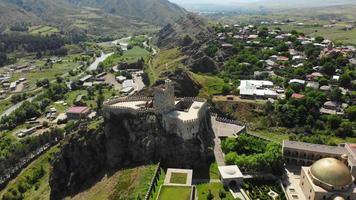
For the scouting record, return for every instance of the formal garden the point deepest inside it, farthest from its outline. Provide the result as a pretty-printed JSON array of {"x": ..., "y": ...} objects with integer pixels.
[{"x": 262, "y": 189}]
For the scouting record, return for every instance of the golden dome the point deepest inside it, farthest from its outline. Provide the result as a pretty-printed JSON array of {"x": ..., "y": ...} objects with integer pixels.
[
  {"x": 337, "y": 198},
  {"x": 332, "y": 172}
]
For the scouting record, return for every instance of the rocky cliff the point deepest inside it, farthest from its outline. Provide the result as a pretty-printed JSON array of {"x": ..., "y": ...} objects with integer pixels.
[
  {"x": 191, "y": 34},
  {"x": 125, "y": 140}
]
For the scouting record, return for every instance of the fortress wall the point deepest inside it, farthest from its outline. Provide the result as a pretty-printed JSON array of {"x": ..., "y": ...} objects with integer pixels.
[{"x": 126, "y": 99}]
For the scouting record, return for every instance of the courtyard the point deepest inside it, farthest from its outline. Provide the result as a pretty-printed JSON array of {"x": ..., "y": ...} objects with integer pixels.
[{"x": 174, "y": 193}]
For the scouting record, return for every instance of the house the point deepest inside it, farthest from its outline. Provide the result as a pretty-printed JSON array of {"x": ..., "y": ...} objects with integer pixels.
[
  {"x": 282, "y": 58},
  {"x": 299, "y": 81},
  {"x": 226, "y": 46},
  {"x": 313, "y": 84},
  {"x": 128, "y": 83},
  {"x": 336, "y": 78},
  {"x": 297, "y": 96},
  {"x": 13, "y": 85},
  {"x": 352, "y": 61},
  {"x": 120, "y": 79},
  {"x": 23, "y": 133},
  {"x": 325, "y": 88},
  {"x": 299, "y": 58},
  {"x": 230, "y": 175},
  {"x": 78, "y": 112},
  {"x": 88, "y": 84},
  {"x": 85, "y": 79},
  {"x": 252, "y": 37},
  {"x": 331, "y": 107},
  {"x": 101, "y": 75},
  {"x": 314, "y": 76},
  {"x": 256, "y": 89}
]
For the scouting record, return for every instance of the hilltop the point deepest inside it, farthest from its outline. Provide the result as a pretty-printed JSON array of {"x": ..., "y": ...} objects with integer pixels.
[{"x": 82, "y": 14}]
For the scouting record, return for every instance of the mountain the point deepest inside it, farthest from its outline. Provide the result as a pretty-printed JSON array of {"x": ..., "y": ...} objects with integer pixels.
[
  {"x": 256, "y": 5},
  {"x": 65, "y": 13}
]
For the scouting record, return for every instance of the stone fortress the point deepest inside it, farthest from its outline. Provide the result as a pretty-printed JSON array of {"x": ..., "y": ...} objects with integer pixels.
[{"x": 181, "y": 116}]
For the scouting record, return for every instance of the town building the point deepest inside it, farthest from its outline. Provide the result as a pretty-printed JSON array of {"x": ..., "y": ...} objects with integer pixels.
[
  {"x": 77, "y": 113},
  {"x": 257, "y": 89},
  {"x": 230, "y": 175}
]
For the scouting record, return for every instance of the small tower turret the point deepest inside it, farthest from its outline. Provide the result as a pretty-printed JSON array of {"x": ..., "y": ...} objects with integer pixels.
[{"x": 164, "y": 99}]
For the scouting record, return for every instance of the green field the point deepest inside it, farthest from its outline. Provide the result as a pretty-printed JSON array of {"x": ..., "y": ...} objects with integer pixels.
[
  {"x": 178, "y": 178},
  {"x": 174, "y": 193},
  {"x": 335, "y": 33},
  {"x": 43, "y": 30},
  {"x": 129, "y": 56}
]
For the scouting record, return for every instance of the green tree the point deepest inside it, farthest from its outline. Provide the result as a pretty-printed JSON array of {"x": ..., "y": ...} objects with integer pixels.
[
  {"x": 345, "y": 80},
  {"x": 334, "y": 121}
]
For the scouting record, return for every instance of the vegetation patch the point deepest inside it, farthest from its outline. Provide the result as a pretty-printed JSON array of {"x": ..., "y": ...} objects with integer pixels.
[
  {"x": 253, "y": 154},
  {"x": 133, "y": 183},
  {"x": 213, "y": 191},
  {"x": 178, "y": 178},
  {"x": 175, "y": 193},
  {"x": 32, "y": 182},
  {"x": 212, "y": 85}
]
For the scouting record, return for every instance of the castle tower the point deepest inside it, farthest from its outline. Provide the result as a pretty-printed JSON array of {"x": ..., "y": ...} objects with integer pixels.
[{"x": 164, "y": 99}]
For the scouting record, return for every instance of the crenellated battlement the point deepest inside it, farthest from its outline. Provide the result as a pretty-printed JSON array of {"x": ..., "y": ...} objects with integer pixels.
[{"x": 182, "y": 116}]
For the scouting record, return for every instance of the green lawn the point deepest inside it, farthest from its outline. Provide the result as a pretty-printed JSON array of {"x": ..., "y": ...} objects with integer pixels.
[
  {"x": 215, "y": 188},
  {"x": 175, "y": 193},
  {"x": 178, "y": 178}
]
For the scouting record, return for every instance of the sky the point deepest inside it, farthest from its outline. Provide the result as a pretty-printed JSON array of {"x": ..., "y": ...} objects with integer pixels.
[{"x": 210, "y": 1}]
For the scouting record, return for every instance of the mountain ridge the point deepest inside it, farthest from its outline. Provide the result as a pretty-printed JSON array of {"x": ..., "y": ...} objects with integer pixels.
[{"x": 155, "y": 12}]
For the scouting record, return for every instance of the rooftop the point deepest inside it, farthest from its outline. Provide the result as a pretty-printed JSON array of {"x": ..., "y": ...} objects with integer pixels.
[
  {"x": 332, "y": 172},
  {"x": 230, "y": 171},
  {"x": 314, "y": 147},
  {"x": 191, "y": 114},
  {"x": 78, "y": 110}
]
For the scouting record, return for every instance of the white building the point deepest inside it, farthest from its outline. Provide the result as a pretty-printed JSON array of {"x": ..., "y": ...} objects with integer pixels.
[{"x": 257, "y": 89}]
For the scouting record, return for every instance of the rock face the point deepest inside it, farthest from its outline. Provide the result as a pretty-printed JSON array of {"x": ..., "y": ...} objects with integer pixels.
[
  {"x": 81, "y": 157},
  {"x": 126, "y": 140},
  {"x": 204, "y": 64},
  {"x": 190, "y": 34},
  {"x": 184, "y": 84}
]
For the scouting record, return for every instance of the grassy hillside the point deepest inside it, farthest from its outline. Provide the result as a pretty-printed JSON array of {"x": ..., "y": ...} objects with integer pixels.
[
  {"x": 32, "y": 182},
  {"x": 166, "y": 60},
  {"x": 95, "y": 17},
  {"x": 122, "y": 185}
]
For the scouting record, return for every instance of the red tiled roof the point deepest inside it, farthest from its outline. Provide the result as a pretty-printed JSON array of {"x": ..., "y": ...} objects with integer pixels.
[
  {"x": 78, "y": 109},
  {"x": 297, "y": 96}
]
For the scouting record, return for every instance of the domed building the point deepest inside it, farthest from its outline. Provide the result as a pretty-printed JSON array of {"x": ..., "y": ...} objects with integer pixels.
[{"x": 328, "y": 179}]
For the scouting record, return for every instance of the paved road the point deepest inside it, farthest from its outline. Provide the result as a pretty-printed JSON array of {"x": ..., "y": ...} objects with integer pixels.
[
  {"x": 14, "y": 107},
  {"x": 98, "y": 60}
]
